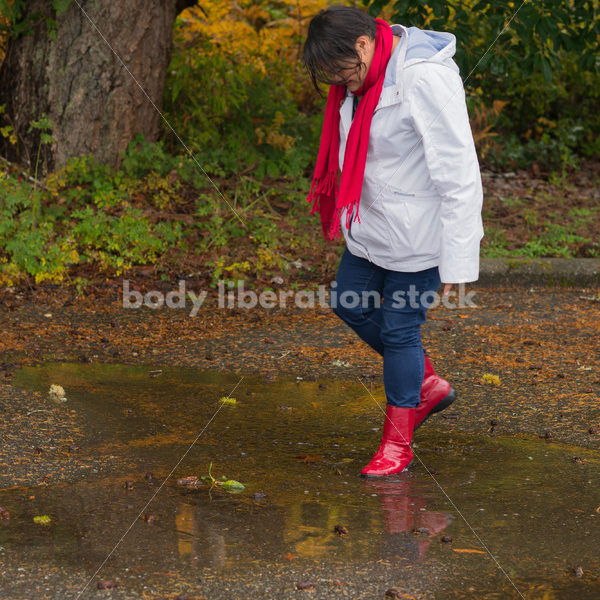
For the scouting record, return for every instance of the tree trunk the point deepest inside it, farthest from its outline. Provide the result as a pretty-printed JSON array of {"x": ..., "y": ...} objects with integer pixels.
[{"x": 75, "y": 78}]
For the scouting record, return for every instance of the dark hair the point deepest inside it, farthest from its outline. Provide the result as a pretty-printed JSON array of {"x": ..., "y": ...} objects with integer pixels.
[{"x": 330, "y": 45}]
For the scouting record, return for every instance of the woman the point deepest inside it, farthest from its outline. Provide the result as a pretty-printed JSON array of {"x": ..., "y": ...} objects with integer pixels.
[{"x": 396, "y": 124}]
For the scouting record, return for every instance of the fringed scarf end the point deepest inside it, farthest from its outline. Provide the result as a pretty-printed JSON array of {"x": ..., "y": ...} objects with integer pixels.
[{"x": 323, "y": 186}]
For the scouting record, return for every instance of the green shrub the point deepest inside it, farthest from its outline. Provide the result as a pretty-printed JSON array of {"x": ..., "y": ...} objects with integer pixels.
[{"x": 81, "y": 215}]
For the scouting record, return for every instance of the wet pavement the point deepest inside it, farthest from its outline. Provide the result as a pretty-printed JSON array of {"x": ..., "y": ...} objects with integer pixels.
[
  {"x": 542, "y": 345},
  {"x": 522, "y": 512}
]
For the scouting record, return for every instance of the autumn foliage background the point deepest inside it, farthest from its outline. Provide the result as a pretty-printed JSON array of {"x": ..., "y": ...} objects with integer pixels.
[{"x": 222, "y": 193}]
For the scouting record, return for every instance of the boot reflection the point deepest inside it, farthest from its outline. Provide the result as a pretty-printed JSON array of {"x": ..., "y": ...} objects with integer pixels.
[{"x": 405, "y": 512}]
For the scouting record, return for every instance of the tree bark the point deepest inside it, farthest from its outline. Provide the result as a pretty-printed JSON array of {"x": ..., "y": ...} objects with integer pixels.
[{"x": 77, "y": 80}]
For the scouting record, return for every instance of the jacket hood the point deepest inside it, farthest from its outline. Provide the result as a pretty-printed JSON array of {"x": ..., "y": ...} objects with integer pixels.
[
  {"x": 434, "y": 46},
  {"x": 422, "y": 46}
]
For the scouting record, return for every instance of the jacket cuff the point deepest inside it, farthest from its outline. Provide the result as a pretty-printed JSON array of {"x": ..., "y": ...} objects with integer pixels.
[{"x": 465, "y": 270}]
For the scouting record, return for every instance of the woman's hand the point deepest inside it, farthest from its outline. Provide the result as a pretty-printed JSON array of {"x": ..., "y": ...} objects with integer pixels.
[{"x": 447, "y": 288}]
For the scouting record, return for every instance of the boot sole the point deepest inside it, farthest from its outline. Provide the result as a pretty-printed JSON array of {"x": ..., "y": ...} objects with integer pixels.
[
  {"x": 408, "y": 466},
  {"x": 448, "y": 399}
]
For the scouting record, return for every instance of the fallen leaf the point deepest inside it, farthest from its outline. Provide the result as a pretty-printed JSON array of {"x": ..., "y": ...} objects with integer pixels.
[
  {"x": 392, "y": 594},
  {"x": 306, "y": 585},
  {"x": 225, "y": 400},
  {"x": 106, "y": 584},
  {"x": 56, "y": 390},
  {"x": 191, "y": 481},
  {"x": 42, "y": 520},
  {"x": 309, "y": 458},
  {"x": 489, "y": 379},
  {"x": 396, "y": 594},
  {"x": 468, "y": 551},
  {"x": 231, "y": 485},
  {"x": 340, "y": 363}
]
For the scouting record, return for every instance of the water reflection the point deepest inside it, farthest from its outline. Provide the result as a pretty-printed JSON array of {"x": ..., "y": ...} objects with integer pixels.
[
  {"x": 409, "y": 526},
  {"x": 395, "y": 523},
  {"x": 198, "y": 536}
]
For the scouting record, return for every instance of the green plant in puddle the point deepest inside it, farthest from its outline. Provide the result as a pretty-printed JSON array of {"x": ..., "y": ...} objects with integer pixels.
[{"x": 229, "y": 485}]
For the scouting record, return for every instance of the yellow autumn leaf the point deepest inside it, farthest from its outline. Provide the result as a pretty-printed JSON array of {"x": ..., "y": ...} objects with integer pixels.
[
  {"x": 489, "y": 379},
  {"x": 42, "y": 520}
]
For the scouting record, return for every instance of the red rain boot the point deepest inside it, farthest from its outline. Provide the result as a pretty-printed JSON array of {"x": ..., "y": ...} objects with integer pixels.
[
  {"x": 394, "y": 454},
  {"x": 436, "y": 394}
]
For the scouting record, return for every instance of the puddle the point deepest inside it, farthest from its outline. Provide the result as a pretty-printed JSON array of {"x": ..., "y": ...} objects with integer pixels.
[{"x": 301, "y": 445}]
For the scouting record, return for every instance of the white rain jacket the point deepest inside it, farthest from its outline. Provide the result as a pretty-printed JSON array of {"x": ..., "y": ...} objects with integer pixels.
[{"x": 421, "y": 198}]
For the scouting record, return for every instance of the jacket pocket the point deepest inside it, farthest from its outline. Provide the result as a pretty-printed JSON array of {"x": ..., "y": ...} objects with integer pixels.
[
  {"x": 414, "y": 222},
  {"x": 372, "y": 229}
]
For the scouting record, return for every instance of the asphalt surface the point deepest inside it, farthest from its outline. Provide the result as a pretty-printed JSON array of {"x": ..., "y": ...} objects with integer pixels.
[{"x": 525, "y": 361}]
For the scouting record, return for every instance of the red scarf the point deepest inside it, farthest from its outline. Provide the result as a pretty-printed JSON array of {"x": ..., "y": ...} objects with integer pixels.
[{"x": 328, "y": 199}]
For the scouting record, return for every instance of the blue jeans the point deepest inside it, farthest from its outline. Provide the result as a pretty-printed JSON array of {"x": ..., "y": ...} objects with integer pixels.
[{"x": 386, "y": 309}]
